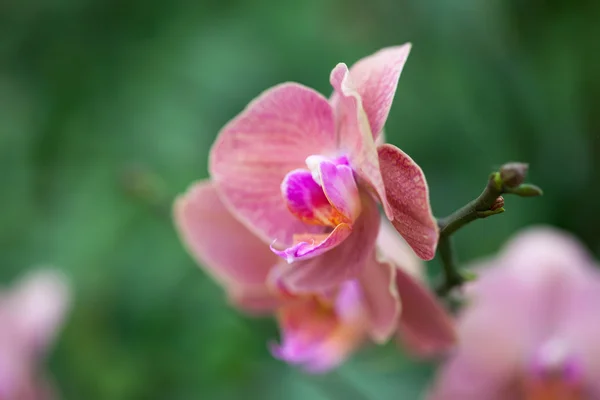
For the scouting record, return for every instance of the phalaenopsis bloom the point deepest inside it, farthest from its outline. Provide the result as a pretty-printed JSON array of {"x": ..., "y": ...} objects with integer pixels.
[
  {"x": 31, "y": 313},
  {"x": 289, "y": 220},
  {"x": 532, "y": 329}
]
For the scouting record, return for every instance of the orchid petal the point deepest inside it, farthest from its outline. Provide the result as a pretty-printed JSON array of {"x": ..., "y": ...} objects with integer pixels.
[
  {"x": 254, "y": 152},
  {"x": 381, "y": 299},
  {"x": 39, "y": 302},
  {"x": 376, "y": 78},
  {"x": 408, "y": 197},
  {"x": 227, "y": 250},
  {"x": 425, "y": 327},
  {"x": 355, "y": 135},
  {"x": 339, "y": 264}
]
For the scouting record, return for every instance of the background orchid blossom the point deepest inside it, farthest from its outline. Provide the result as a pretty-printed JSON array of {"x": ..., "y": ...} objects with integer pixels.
[
  {"x": 532, "y": 329},
  {"x": 31, "y": 313},
  {"x": 321, "y": 329}
]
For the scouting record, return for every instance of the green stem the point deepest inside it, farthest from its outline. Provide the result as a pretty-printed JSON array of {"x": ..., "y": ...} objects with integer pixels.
[
  {"x": 453, "y": 277},
  {"x": 478, "y": 208},
  {"x": 487, "y": 204}
]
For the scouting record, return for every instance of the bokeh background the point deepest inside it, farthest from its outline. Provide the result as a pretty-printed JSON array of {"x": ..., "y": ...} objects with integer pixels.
[{"x": 108, "y": 109}]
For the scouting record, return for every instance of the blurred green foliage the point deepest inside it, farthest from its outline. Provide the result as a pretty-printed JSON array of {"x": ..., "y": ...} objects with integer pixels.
[{"x": 108, "y": 109}]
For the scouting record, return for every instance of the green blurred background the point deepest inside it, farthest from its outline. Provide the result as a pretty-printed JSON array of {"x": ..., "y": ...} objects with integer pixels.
[{"x": 108, "y": 109}]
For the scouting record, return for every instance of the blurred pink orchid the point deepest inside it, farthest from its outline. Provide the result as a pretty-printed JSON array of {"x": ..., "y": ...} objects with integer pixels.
[
  {"x": 30, "y": 315},
  {"x": 322, "y": 328},
  {"x": 532, "y": 329},
  {"x": 303, "y": 172}
]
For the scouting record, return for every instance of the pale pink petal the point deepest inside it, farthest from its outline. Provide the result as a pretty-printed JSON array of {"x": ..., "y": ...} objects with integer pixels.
[
  {"x": 537, "y": 253},
  {"x": 39, "y": 303},
  {"x": 392, "y": 247},
  {"x": 340, "y": 264},
  {"x": 354, "y": 134},
  {"x": 378, "y": 283},
  {"x": 228, "y": 251},
  {"x": 376, "y": 78},
  {"x": 311, "y": 246},
  {"x": 408, "y": 197},
  {"x": 253, "y": 153},
  {"x": 425, "y": 327},
  {"x": 340, "y": 188}
]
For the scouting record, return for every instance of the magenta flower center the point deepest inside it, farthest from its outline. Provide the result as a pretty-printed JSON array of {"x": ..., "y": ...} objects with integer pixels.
[{"x": 324, "y": 194}]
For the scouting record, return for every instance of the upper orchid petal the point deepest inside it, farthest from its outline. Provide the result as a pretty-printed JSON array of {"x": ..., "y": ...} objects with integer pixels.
[
  {"x": 425, "y": 327},
  {"x": 39, "y": 303},
  {"x": 339, "y": 264},
  {"x": 376, "y": 78},
  {"x": 378, "y": 284},
  {"x": 408, "y": 197},
  {"x": 254, "y": 152},
  {"x": 226, "y": 248},
  {"x": 354, "y": 134}
]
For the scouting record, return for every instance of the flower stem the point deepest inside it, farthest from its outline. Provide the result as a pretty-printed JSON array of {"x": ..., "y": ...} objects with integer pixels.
[{"x": 490, "y": 202}]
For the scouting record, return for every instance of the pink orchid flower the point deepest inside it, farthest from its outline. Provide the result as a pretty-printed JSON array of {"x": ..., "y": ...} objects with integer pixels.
[
  {"x": 30, "y": 315},
  {"x": 532, "y": 331},
  {"x": 322, "y": 328},
  {"x": 302, "y": 173}
]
